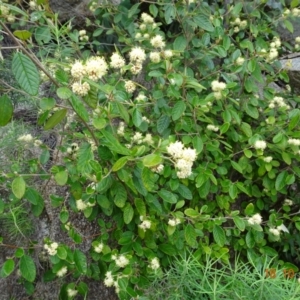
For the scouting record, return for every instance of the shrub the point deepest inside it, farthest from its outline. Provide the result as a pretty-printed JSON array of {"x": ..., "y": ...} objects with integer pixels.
[{"x": 176, "y": 137}]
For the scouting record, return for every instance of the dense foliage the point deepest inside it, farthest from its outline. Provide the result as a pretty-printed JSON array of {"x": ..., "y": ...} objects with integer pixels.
[{"x": 172, "y": 137}]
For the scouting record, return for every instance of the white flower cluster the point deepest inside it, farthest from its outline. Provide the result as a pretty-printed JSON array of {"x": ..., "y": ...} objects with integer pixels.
[
  {"x": 108, "y": 280},
  {"x": 277, "y": 231},
  {"x": 80, "y": 88},
  {"x": 294, "y": 142},
  {"x": 184, "y": 158},
  {"x": 268, "y": 159},
  {"x": 146, "y": 224},
  {"x": 81, "y": 205},
  {"x": 51, "y": 248},
  {"x": 297, "y": 42},
  {"x": 4, "y": 12},
  {"x": 288, "y": 202},
  {"x": 139, "y": 139},
  {"x": 32, "y": 5},
  {"x": 158, "y": 169},
  {"x": 117, "y": 61},
  {"x": 260, "y": 145},
  {"x": 155, "y": 57},
  {"x": 141, "y": 97},
  {"x": 130, "y": 86},
  {"x": 73, "y": 149},
  {"x": 63, "y": 271},
  {"x": 94, "y": 68},
  {"x": 273, "y": 52},
  {"x": 255, "y": 219},
  {"x": 147, "y": 19},
  {"x": 98, "y": 248},
  {"x": 278, "y": 101},
  {"x": 71, "y": 293},
  {"x": 154, "y": 264},
  {"x": 174, "y": 222},
  {"x": 26, "y": 138},
  {"x": 137, "y": 56},
  {"x": 157, "y": 41},
  {"x": 295, "y": 12},
  {"x": 211, "y": 127},
  {"x": 121, "y": 129},
  {"x": 121, "y": 261},
  {"x": 83, "y": 36},
  {"x": 240, "y": 60},
  {"x": 238, "y": 24},
  {"x": 217, "y": 88}
]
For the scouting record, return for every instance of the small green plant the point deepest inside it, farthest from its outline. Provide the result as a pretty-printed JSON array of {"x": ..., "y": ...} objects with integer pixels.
[
  {"x": 16, "y": 223},
  {"x": 188, "y": 278}
]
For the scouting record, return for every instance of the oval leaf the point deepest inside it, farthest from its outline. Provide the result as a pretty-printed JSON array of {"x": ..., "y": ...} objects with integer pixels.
[
  {"x": 56, "y": 118},
  {"x": 27, "y": 268},
  {"x": 18, "y": 187},
  {"x": 6, "y": 110},
  {"x": 26, "y": 73},
  {"x": 219, "y": 235}
]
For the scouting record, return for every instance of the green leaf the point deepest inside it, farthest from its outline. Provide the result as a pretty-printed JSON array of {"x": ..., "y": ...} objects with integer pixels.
[
  {"x": 167, "y": 249},
  {"x": 121, "y": 195},
  {"x": 251, "y": 65},
  {"x": 246, "y": 128},
  {"x": 137, "y": 118},
  {"x": 43, "y": 35},
  {"x": 239, "y": 222},
  {"x": 64, "y": 93},
  {"x": 219, "y": 235},
  {"x": 178, "y": 110},
  {"x": 198, "y": 144},
  {"x": 79, "y": 108},
  {"x": 289, "y": 26},
  {"x": 7, "y": 268},
  {"x": 203, "y": 22},
  {"x": 120, "y": 163},
  {"x": 32, "y": 195},
  {"x": 252, "y": 111},
  {"x": 56, "y": 118},
  {"x": 233, "y": 191},
  {"x": 61, "y": 177},
  {"x": 128, "y": 214},
  {"x": 27, "y": 268},
  {"x": 249, "y": 209},
  {"x": 18, "y": 187},
  {"x": 250, "y": 242},
  {"x": 6, "y": 110},
  {"x": 153, "y": 10},
  {"x": 22, "y": 34},
  {"x": 123, "y": 112},
  {"x": 47, "y": 103},
  {"x": 286, "y": 157},
  {"x": 133, "y": 10},
  {"x": 236, "y": 166},
  {"x": 140, "y": 206},
  {"x": 163, "y": 123},
  {"x": 113, "y": 144},
  {"x": 190, "y": 235},
  {"x": 152, "y": 160},
  {"x": 190, "y": 212},
  {"x": 180, "y": 43},
  {"x": 64, "y": 216},
  {"x": 80, "y": 261},
  {"x": 38, "y": 208},
  {"x": 62, "y": 252},
  {"x": 167, "y": 196},
  {"x": 280, "y": 181},
  {"x": 148, "y": 179},
  {"x": 294, "y": 118},
  {"x": 26, "y": 73},
  {"x": 185, "y": 192},
  {"x": 224, "y": 128},
  {"x": 84, "y": 156}
]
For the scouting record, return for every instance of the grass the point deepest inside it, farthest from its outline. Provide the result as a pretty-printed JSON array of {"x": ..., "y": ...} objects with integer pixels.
[{"x": 188, "y": 279}]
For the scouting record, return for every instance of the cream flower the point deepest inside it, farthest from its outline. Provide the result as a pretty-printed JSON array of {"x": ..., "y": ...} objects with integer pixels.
[{"x": 117, "y": 61}]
